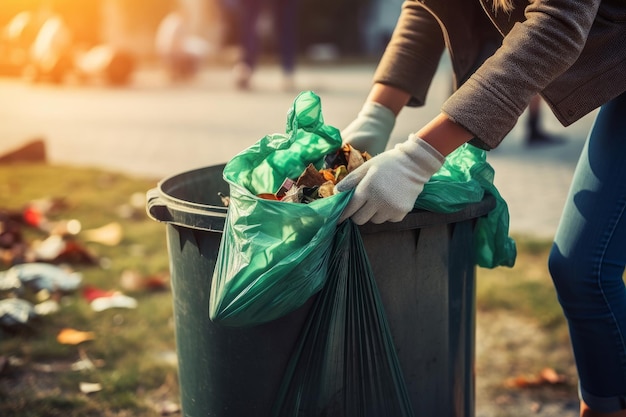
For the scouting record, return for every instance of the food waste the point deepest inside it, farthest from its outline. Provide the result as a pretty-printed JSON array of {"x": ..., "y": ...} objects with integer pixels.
[{"x": 314, "y": 184}]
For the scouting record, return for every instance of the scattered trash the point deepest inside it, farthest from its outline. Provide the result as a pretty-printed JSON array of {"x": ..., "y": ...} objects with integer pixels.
[
  {"x": 90, "y": 387},
  {"x": 134, "y": 281},
  {"x": 110, "y": 234},
  {"x": 69, "y": 336},
  {"x": 44, "y": 276},
  {"x": 101, "y": 300},
  {"x": 90, "y": 293},
  {"x": 15, "y": 312},
  {"x": 116, "y": 300},
  {"x": 166, "y": 408},
  {"x": 9, "y": 282},
  {"x": 49, "y": 248},
  {"x": 47, "y": 307},
  {"x": 85, "y": 363},
  {"x": 37, "y": 211},
  {"x": 546, "y": 376}
]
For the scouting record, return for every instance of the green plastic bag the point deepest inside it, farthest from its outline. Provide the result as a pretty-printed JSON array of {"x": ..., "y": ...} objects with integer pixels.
[
  {"x": 345, "y": 363},
  {"x": 274, "y": 255},
  {"x": 465, "y": 178}
]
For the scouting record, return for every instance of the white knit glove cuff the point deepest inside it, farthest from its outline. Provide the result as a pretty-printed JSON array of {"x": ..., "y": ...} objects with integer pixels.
[
  {"x": 415, "y": 147},
  {"x": 371, "y": 129}
]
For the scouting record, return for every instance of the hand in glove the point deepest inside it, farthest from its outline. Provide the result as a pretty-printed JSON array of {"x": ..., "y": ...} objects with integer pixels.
[
  {"x": 388, "y": 184},
  {"x": 371, "y": 129}
]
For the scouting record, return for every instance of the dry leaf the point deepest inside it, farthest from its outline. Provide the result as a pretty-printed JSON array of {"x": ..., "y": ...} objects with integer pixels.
[
  {"x": 355, "y": 159},
  {"x": 547, "y": 376},
  {"x": 551, "y": 376},
  {"x": 69, "y": 336},
  {"x": 311, "y": 177},
  {"x": 327, "y": 189}
]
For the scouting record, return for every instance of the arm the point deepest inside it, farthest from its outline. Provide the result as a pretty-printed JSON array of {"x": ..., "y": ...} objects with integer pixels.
[
  {"x": 533, "y": 54},
  {"x": 403, "y": 74},
  {"x": 487, "y": 106}
]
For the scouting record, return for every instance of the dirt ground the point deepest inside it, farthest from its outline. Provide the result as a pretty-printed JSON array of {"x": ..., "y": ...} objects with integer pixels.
[{"x": 510, "y": 353}]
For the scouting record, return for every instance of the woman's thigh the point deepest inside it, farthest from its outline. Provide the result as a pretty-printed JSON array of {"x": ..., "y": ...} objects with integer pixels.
[{"x": 589, "y": 254}]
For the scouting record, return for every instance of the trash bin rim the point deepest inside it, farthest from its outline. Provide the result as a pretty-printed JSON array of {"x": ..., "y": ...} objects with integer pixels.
[
  {"x": 165, "y": 207},
  {"x": 419, "y": 218},
  {"x": 195, "y": 215}
]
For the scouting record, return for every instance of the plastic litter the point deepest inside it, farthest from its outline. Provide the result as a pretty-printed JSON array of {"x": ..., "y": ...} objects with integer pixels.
[
  {"x": 47, "y": 307},
  {"x": 44, "y": 276},
  {"x": 110, "y": 234},
  {"x": 15, "y": 312}
]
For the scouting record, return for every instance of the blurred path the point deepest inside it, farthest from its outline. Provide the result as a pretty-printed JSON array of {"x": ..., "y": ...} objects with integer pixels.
[{"x": 154, "y": 129}]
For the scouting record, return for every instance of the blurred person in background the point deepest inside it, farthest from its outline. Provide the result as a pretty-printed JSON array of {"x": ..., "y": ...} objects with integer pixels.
[
  {"x": 535, "y": 133},
  {"x": 188, "y": 36},
  {"x": 51, "y": 51},
  {"x": 283, "y": 15},
  {"x": 574, "y": 56},
  {"x": 181, "y": 51},
  {"x": 16, "y": 38}
]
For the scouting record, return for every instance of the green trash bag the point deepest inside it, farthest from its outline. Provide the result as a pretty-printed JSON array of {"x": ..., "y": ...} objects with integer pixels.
[
  {"x": 274, "y": 255},
  {"x": 464, "y": 178},
  {"x": 345, "y": 363}
]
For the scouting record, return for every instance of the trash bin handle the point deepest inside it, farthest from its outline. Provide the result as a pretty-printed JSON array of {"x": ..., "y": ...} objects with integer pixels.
[{"x": 156, "y": 208}]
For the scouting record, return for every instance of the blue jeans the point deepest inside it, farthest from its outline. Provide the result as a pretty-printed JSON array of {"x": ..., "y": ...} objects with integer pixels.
[
  {"x": 284, "y": 14},
  {"x": 588, "y": 258}
]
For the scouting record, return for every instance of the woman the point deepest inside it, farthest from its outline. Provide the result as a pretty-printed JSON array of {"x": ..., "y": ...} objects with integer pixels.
[{"x": 503, "y": 53}]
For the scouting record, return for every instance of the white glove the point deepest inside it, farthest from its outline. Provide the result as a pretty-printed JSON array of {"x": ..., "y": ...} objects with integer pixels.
[
  {"x": 371, "y": 129},
  {"x": 388, "y": 185}
]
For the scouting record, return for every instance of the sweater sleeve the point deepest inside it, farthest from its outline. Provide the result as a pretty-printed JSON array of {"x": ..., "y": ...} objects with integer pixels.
[
  {"x": 413, "y": 53},
  {"x": 533, "y": 54}
]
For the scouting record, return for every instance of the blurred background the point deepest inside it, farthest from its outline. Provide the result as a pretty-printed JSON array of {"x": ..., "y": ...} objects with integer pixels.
[{"x": 52, "y": 38}]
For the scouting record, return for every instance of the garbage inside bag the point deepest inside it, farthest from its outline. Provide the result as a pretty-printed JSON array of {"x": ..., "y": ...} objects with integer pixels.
[
  {"x": 274, "y": 255},
  {"x": 345, "y": 363},
  {"x": 314, "y": 183},
  {"x": 464, "y": 178}
]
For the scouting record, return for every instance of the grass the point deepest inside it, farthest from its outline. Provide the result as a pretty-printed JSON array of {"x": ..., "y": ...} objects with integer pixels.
[
  {"x": 526, "y": 288},
  {"x": 128, "y": 342},
  {"x": 128, "y": 348}
]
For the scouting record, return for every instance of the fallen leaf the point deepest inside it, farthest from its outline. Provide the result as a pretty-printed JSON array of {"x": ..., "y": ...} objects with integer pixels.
[
  {"x": 546, "y": 376},
  {"x": 70, "y": 336},
  {"x": 551, "y": 376}
]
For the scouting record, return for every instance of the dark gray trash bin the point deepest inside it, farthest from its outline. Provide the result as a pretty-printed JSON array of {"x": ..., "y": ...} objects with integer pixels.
[{"x": 425, "y": 272}]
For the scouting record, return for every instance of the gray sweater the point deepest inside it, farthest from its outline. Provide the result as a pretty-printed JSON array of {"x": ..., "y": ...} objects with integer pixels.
[{"x": 571, "y": 52}]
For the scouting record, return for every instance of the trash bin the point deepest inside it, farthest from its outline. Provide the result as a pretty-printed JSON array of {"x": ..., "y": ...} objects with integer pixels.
[{"x": 425, "y": 271}]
